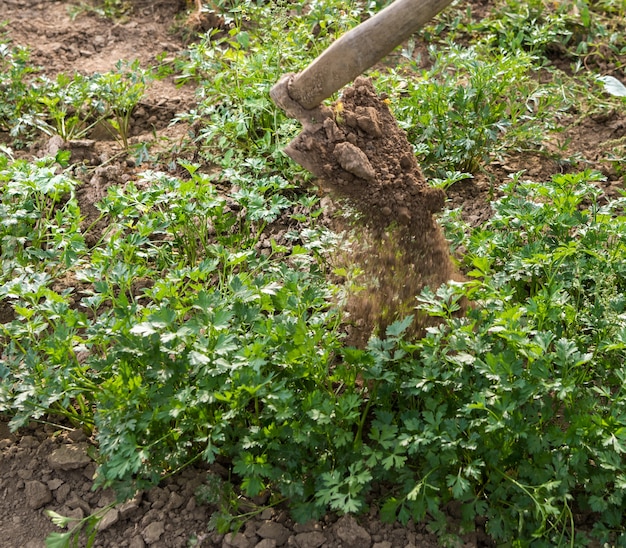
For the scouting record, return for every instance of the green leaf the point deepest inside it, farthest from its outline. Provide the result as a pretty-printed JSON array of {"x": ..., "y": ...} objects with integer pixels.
[
  {"x": 197, "y": 359},
  {"x": 252, "y": 485},
  {"x": 389, "y": 510},
  {"x": 397, "y": 328},
  {"x": 58, "y": 519},
  {"x": 458, "y": 484},
  {"x": 597, "y": 503},
  {"x": 63, "y": 157},
  {"x": 59, "y": 540},
  {"x": 393, "y": 461},
  {"x": 145, "y": 329}
]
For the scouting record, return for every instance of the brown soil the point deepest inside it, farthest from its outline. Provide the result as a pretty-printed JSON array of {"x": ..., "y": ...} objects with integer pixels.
[
  {"x": 361, "y": 155},
  {"x": 358, "y": 150},
  {"x": 48, "y": 468}
]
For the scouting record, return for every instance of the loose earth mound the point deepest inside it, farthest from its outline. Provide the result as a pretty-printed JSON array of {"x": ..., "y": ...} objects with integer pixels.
[{"x": 360, "y": 153}]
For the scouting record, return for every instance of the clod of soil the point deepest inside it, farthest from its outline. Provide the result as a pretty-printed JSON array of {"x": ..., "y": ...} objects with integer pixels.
[
  {"x": 360, "y": 153},
  {"x": 358, "y": 150}
]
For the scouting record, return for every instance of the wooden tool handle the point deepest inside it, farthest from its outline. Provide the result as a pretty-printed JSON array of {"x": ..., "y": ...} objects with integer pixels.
[{"x": 360, "y": 49}]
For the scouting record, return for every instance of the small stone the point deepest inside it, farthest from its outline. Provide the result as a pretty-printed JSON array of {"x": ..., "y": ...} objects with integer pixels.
[
  {"x": 313, "y": 539},
  {"x": 37, "y": 494},
  {"x": 110, "y": 518},
  {"x": 266, "y": 543},
  {"x": 351, "y": 533},
  {"x": 307, "y": 527},
  {"x": 157, "y": 504},
  {"x": 77, "y": 435},
  {"x": 77, "y": 502},
  {"x": 129, "y": 506},
  {"x": 383, "y": 544},
  {"x": 407, "y": 162},
  {"x": 25, "y": 473},
  {"x": 5, "y": 443},
  {"x": 175, "y": 501},
  {"x": 62, "y": 493},
  {"x": 191, "y": 504},
  {"x": 333, "y": 133},
  {"x": 69, "y": 457},
  {"x": 55, "y": 483},
  {"x": 152, "y": 532},
  {"x": 354, "y": 160},
  {"x": 156, "y": 493},
  {"x": 249, "y": 529},
  {"x": 75, "y": 514},
  {"x": 367, "y": 120},
  {"x": 233, "y": 540},
  {"x": 151, "y": 516},
  {"x": 136, "y": 542},
  {"x": 398, "y": 537},
  {"x": 29, "y": 442},
  {"x": 90, "y": 471},
  {"x": 106, "y": 498},
  {"x": 273, "y": 530},
  {"x": 54, "y": 144}
]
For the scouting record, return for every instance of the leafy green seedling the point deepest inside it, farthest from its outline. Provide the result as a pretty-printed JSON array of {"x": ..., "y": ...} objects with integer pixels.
[
  {"x": 120, "y": 91},
  {"x": 18, "y": 94},
  {"x": 71, "y": 106}
]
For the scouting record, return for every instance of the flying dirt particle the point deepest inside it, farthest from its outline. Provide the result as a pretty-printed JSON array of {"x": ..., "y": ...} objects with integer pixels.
[
  {"x": 354, "y": 160},
  {"x": 404, "y": 215}
]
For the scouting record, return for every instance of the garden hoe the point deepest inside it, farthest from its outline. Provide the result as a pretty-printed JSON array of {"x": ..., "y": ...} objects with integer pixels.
[
  {"x": 357, "y": 150},
  {"x": 356, "y": 146}
]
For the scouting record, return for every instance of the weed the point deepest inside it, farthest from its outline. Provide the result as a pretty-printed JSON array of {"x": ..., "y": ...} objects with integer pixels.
[
  {"x": 111, "y": 9},
  {"x": 17, "y": 103},
  {"x": 119, "y": 92},
  {"x": 459, "y": 112},
  {"x": 71, "y": 106}
]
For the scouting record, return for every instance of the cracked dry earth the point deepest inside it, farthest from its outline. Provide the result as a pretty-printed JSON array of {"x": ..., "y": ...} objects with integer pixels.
[{"x": 43, "y": 467}]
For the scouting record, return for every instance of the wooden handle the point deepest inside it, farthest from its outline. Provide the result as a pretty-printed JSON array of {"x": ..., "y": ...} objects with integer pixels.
[{"x": 360, "y": 49}]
